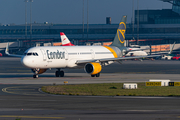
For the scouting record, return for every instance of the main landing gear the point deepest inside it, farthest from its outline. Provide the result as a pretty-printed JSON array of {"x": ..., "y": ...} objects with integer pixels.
[
  {"x": 97, "y": 75},
  {"x": 59, "y": 73}
]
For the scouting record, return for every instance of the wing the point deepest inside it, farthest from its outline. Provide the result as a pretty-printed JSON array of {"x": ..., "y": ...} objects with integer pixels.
[
  {"x": 166, "y": 52},
  {"x": 115, "y": 59},
  {"x": 12, "y": 55}
]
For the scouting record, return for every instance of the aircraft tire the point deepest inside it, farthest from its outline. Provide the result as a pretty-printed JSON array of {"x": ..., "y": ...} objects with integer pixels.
[
  {"x": 61, "y": 74},
  {"x": 93, "y": 75},
  {"x": 35, "y": 76},
  {"x": 97, "y": 75},
  {"x": 57, "y": 74}
]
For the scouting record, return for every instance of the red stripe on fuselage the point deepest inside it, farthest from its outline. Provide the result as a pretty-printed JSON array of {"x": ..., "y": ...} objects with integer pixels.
[{"x": 69, "y": 44}]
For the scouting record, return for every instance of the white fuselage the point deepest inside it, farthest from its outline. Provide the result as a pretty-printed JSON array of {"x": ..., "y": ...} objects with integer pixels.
[
  {"x": 136, "y": 52},
  {"x": 65, "y": 56}
]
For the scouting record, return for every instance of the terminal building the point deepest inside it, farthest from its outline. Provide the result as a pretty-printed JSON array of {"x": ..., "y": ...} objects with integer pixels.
[{"x": 149, "y": 27}]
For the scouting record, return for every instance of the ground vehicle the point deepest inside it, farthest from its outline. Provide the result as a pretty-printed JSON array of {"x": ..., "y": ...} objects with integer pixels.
[
  {"x": 176, "y": 57},
  {"x": 1, "y": 55},
  {"x": 167, "y": 57}
]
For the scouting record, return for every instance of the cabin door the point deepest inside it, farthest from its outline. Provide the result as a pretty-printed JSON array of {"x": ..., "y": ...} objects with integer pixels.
[{"x": 44, "y": 54}]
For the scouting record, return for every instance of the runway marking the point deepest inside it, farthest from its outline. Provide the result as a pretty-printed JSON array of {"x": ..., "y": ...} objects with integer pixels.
[
  {"x": 13, "y": 116},
  {"x": 143, "y": 110},
  {"x": 23, "y": 90}
]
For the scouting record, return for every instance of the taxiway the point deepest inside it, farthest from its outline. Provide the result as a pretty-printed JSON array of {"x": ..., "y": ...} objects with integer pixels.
[{"x": 21, "y": 96}]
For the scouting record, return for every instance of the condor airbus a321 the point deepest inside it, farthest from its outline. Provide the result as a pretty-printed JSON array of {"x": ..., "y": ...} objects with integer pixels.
[{"x": 91, "y": 58}]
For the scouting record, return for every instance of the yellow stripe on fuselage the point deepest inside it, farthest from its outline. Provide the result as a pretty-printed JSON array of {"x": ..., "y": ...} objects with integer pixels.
[{"x": 112, "y": 51}]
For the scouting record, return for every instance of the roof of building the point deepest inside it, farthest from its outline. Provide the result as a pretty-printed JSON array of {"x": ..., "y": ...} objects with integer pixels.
[{"x": 166, "y": 0}]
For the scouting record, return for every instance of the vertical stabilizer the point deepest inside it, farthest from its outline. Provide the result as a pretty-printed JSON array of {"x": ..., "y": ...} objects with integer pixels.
[
  {"x": 120, "y": 35},
  {"x": 65, "y": 41}
]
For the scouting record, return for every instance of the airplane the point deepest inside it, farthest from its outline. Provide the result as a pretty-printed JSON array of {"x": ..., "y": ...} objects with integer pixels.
[{"x": 91, "y": 58}]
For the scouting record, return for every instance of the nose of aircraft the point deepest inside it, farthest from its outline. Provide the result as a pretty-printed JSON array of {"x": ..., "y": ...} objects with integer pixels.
[{"x": 25, "y": 61}]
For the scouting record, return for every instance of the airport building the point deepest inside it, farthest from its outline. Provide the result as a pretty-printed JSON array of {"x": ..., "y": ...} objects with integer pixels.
[{"x": 149, "y": 27}]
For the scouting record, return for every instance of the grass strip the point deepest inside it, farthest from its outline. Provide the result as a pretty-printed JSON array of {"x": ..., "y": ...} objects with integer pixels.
[{"x": 111, "y": 89}]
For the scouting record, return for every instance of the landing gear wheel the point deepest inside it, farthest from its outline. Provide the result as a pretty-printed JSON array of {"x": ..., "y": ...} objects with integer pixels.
[
  {"x": 57, "y": 74},
  {"x": 97, "y": 75},
  {"x": 35, "y": 76},
  {"x": 93, "y": 75},
  {"x": 61, "y": 74},
  {"x": 36, "y": 71}
]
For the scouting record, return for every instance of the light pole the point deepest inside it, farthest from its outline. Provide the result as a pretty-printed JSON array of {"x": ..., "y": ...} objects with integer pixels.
[
  {"x": 87, "y": 19},
  {"x": 31, "y": 21},
  {"x": 137, "y": 42},
  {"x": 83, "y": 21},
  {"x": 26, "y": 19}
]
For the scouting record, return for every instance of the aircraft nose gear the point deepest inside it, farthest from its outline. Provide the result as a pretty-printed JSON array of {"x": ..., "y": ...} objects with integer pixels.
[
  {"x": 59, "y": 73},
  {"x": 35, "y": 72}
]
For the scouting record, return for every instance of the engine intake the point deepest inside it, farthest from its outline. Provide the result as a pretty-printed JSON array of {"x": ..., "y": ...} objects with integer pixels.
[{"x": 93, "y": 68}]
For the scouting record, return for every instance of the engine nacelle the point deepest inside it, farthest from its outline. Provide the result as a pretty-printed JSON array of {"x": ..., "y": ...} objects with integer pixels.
[
  {"x": 40, "y": 71},
  {"x": 93, "y": 68}
]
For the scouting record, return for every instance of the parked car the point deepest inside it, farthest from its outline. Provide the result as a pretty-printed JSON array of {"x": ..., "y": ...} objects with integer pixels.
[
  {"x": 167, "y": 57},
  {"x": 176, "y": 57},
  {"x": 1, "y": 55}
]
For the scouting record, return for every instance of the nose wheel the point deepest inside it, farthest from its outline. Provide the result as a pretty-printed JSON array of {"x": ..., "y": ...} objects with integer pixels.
[
  {"x": 35, "y": 73},
  {"x": 35, "y": 76},
  {"x": 59, "y": 73}
]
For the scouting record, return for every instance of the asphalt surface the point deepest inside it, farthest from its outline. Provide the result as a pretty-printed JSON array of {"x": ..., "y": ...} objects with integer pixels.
[
  {"x": 13, "y": 65},
  {"x": 21, "y": 96}
]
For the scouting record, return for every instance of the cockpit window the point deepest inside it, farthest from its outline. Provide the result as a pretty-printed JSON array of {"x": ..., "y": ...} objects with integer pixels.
[
  {"x": 31, "y": 54},
  {"x": 28, "y": 54}
]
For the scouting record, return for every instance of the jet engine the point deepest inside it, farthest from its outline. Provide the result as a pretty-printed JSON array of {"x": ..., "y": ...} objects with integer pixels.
[
  {"x": 39, "y": 71},
  {"x": 93, "y": 68}
]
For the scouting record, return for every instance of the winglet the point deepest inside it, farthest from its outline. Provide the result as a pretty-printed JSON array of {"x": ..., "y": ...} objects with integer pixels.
[
  {"x": 171, "y": 48},
  {"x": 7, "y": 52},
  {"x": 7, "y": 49}
]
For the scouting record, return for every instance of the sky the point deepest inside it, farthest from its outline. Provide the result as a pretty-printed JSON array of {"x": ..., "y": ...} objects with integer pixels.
[{"x": 71, "y": 11}]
